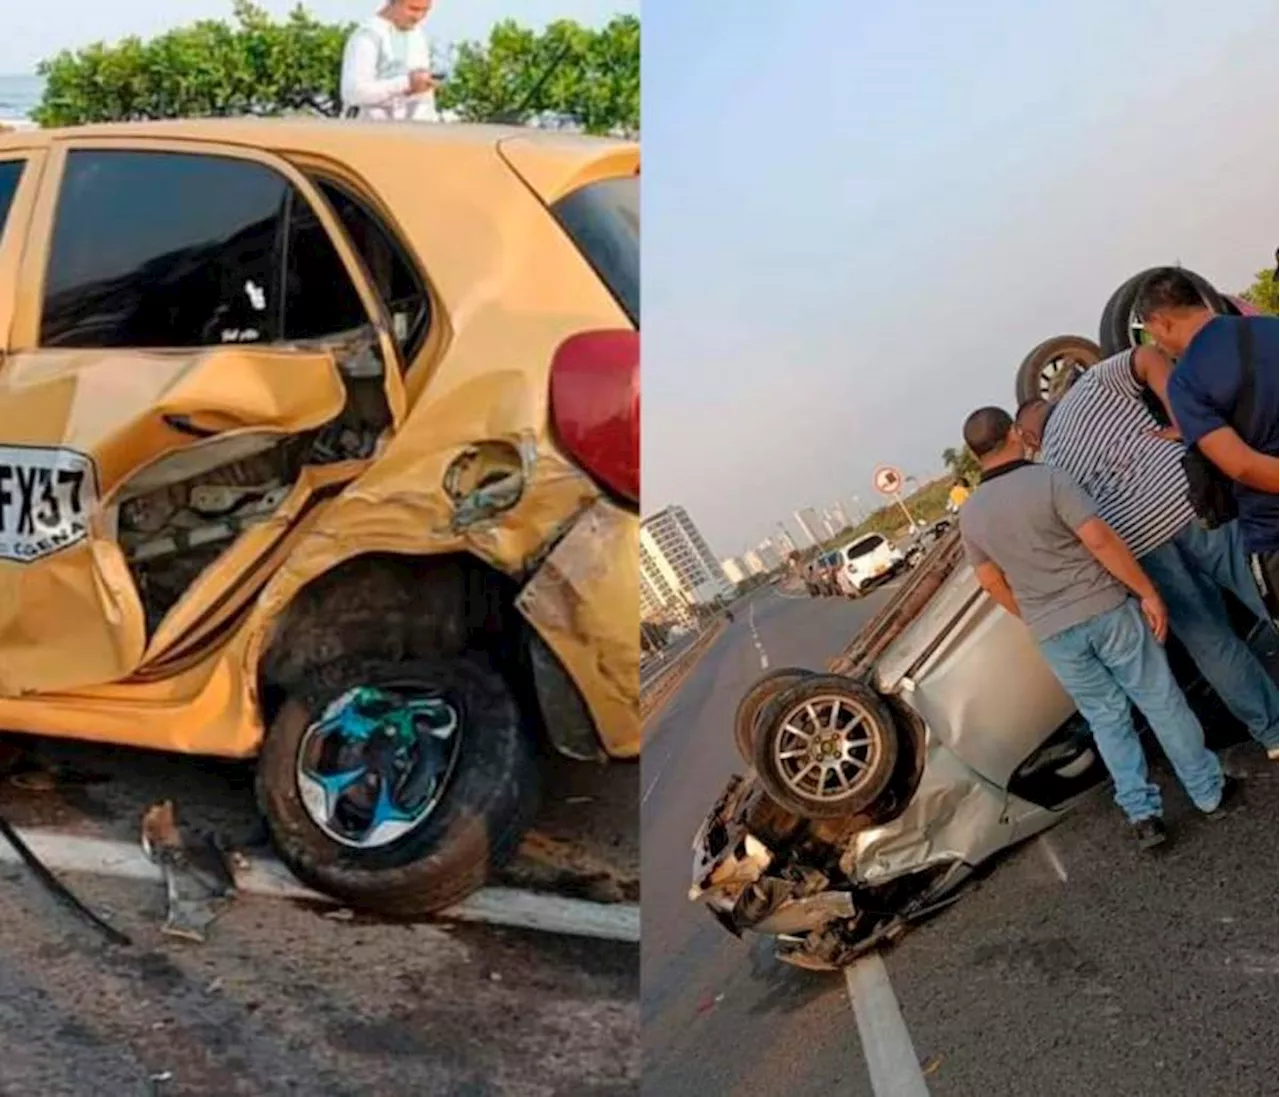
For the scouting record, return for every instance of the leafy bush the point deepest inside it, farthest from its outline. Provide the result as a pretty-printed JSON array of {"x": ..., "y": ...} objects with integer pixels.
[{"x": 256, "y": 65}]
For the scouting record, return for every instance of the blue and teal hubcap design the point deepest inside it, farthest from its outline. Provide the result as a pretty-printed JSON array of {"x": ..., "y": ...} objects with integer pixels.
[{"x": 374, "y": 766}]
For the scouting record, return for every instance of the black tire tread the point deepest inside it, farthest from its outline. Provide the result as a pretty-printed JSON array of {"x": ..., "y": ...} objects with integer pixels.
[
  {"x": 754, "y": 700},
  {"x": 1027, "y": 383},
  {"x": 446, "y": 872}
]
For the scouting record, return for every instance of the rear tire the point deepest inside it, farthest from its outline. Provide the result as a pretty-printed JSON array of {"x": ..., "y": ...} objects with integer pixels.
[
  {"x": 1041, "y": 374},
  {"x": 1115, "y": 331},
  {"x": 862, "y": 754},
  {"x": 485, "y": 805},
  {"x": 761, "y": 692}
]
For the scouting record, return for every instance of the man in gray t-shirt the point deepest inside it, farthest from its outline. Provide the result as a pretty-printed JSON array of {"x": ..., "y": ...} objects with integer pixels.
[{"x": 1038, "y": 548}]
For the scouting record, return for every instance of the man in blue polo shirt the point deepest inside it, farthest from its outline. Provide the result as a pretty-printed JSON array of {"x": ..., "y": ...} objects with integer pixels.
[{"x": 1223, "y": 364}]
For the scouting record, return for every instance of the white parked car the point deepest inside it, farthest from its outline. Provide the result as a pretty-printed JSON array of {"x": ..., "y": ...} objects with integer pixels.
[{"x": 867, "y": 561}]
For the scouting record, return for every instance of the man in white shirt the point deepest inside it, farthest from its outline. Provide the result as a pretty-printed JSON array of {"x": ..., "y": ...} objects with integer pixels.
[{"x": 386, "y": 66}]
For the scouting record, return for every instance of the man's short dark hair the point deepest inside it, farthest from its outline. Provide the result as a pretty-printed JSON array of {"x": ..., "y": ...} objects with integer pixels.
[
  {"x": 1167, "y": 289},
  {"x": 986, "y": 429},
  {"x": 1027, "y": 407}
]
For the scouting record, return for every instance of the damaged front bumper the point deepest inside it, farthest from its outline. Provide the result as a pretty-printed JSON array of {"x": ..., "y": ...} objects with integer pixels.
[{"x": 829, "y": 893}]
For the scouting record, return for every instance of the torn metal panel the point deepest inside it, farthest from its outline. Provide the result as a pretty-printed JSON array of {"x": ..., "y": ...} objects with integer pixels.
[
  {"x": 487, "y": 479},
  {"x": 198, "y": 882},
  {"x": 582, "y": 601},
  {"x": 78, "y": 427}
]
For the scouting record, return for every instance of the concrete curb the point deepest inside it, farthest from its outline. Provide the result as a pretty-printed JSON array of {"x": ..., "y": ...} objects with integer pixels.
[{"x": 265, "y": 876}]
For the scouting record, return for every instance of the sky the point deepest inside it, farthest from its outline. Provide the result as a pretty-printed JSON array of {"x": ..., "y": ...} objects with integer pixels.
[
  {"x": 30, "y": 34},
  {"x": 858, "y": 219}
]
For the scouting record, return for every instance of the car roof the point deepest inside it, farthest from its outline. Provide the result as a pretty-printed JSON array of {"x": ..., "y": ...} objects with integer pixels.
[
  {"x": 552, "y": 162},
  {"x": 307, "y": 131}
]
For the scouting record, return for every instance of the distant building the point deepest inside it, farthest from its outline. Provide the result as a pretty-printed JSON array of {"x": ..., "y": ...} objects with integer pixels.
[
  {"x": 811, "y": 525},
  {"x": 840, "y": 517},
  {"x": 786, "y": 546},
  {"x": 769, "y": 554},
  {"x": 754, "y": 564},
  {"x": 677, "y": 568},
  {"x": 733, "y": 570}
]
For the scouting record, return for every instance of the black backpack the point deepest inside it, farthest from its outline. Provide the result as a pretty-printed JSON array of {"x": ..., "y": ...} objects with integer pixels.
[{"x": 1211, "y": 493}]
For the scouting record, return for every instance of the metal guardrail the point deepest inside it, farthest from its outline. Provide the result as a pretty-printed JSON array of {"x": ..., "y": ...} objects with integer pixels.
[{"x": 655, "y": 692}]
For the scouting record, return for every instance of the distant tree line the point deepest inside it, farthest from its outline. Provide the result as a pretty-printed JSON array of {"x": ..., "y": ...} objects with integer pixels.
[{"x": 256, "y": 65}]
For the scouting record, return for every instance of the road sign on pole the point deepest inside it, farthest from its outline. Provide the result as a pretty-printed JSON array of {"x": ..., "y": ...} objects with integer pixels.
[{"x": 888, "y": 480}]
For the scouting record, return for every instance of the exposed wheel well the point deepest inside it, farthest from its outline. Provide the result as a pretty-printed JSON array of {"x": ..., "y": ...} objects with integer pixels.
[{"x": 397, "y": 608}]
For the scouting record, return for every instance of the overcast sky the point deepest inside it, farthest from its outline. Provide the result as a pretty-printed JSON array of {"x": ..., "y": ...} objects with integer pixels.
[
  {"x": 860, "y": 217},
  {"x": 32, "y": 31}
]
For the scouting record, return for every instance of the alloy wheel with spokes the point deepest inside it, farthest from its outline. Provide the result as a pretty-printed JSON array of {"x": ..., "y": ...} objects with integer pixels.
[{"x": 826, "y": 747}]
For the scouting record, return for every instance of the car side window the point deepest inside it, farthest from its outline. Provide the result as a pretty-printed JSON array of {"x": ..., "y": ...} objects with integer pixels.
[
  {"x": 10, "y": 177},
  {"x": 386, "y": 259},
  {"x": 165, "y": 249}
]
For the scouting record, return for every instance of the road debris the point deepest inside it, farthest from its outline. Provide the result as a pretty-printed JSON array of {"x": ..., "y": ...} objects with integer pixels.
[{"x": 198, "y": 881}]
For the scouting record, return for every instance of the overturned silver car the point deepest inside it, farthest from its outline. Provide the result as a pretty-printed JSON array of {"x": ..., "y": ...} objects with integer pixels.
[{"x": 940, "y": 739}]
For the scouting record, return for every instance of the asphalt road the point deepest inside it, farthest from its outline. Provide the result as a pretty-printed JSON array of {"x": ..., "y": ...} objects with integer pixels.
[
  {"x": 282, "y": 1000},
  {"x": 285, "y": 999},
  {"x": 1075, "y": 966}
]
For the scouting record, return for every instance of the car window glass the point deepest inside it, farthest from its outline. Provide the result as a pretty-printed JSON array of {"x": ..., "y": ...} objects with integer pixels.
[
  {"x": 603, "y": 220},
  {"x": 10, "y": 176},
  {"x": 393, "y": 275},
  {"x": 163, "y": 250},
  {"x": 865, "y": 548},
  {"x": 320, "y": 298}
]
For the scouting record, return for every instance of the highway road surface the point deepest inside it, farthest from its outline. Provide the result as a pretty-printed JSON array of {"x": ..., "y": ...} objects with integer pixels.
[{"x": 1077, "y": 966}]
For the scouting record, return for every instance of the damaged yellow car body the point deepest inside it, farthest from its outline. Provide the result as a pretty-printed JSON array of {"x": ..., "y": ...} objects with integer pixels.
[{"x": 464, "y": 462}]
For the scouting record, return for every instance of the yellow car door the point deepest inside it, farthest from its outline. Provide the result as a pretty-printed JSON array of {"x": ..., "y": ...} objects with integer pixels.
[{"x": 190, "y": 342}]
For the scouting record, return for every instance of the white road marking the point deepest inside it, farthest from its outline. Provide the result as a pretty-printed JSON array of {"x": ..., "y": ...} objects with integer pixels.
[
  {"x": 892, "y": 1064},
  {"x": 1055, "y": 862},
  {"x": 755, "y": 638},
  {"x": 656, "y": 778},
  {"x": 266, "y": 876}
]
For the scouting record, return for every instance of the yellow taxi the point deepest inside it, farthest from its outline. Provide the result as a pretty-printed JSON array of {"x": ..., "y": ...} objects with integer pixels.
[{"x": 319, "y": 443}]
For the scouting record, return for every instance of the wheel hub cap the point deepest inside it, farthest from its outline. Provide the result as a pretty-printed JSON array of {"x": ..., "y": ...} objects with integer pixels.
[{"x": 374, "y": 766}]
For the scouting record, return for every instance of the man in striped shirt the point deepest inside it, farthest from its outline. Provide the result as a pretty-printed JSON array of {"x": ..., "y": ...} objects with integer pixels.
[{"x": 1102, "y": 433}]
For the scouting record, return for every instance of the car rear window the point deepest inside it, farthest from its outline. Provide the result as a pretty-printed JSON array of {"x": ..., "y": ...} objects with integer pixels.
[
  {"x": 864, "y": 548},
  {"x": 603, "y": 220}
]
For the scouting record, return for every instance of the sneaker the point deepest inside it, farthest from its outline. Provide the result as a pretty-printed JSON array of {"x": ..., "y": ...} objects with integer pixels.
[
  {"x": 1228, "y": 800},
  {"x": 1273, "y": 753},
  {"x": 1149, "y": 833}
]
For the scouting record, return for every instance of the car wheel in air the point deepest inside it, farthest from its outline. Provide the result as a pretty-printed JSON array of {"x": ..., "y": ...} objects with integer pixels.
[
  {"x": 1119, "y": 329},
  {"x": 762, "y": 689},
  {"x": 826, "y": 747},
  {"x": 1051, "y": 368},
  {"x": 398, "y": 787}
]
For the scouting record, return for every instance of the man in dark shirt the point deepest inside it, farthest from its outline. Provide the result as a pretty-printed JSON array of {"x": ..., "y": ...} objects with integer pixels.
[
  {"x": 1219, "y": 359},
  {"x": 1040, "y": 550}
]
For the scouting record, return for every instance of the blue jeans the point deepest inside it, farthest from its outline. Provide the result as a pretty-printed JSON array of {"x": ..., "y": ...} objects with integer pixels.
[
  {"x": 1110, "y": 660},
  {"x": 1190, "y": 572}
]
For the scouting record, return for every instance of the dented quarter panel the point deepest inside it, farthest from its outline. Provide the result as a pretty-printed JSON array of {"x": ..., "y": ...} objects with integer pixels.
[{"x": 954, "y": 815}]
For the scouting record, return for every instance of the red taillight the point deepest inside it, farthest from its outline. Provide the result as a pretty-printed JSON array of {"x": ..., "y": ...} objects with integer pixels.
[{"x": 595, "y": 406}]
